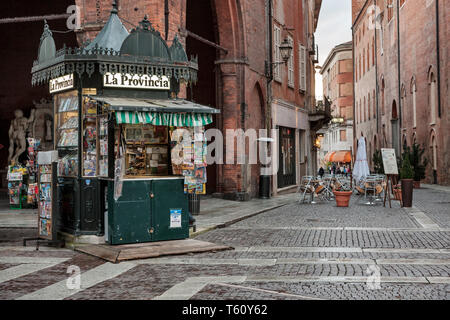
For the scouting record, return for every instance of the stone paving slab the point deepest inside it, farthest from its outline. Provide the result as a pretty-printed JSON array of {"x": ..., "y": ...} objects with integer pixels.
[
  {"x": 329, "y": 238},
  {"x": 323, "y": 290},
  {"x": 435, "y": 204}
]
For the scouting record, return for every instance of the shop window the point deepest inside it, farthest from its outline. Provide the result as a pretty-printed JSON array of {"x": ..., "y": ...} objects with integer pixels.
[{"x": 343, "y": 135}]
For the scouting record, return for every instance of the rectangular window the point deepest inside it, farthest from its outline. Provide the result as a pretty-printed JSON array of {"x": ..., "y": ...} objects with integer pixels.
[
  {"x": 277, "y": 55},
  {"x": 291, "y": 64},
  {"x": 343, "y": 134}
]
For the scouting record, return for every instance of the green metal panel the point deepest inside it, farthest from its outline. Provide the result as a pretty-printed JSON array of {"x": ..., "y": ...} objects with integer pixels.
[
  {"x": 129, "y": 217},
  {"x": 168, "y": 198},
  {"x": 148, "y": 210}
]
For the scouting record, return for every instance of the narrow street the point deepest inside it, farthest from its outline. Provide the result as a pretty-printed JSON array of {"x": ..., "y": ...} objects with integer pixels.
[{"x": 297, "y": 251}]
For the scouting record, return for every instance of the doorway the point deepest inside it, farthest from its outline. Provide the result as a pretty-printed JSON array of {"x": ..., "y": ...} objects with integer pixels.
[
  {"x": 200, "y": 19},
  {"x": 286, "y": 154}
]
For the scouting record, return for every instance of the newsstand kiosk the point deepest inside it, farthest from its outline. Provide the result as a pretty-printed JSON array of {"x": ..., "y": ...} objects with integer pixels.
[{"x": 124, "y": 170}]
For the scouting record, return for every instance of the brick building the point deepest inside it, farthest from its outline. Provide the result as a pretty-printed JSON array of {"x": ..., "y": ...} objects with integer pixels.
[
  {"x": 401, "y": 63},
  {"x": 337, "y": 77},
  {"x": 235, "y": 42}
]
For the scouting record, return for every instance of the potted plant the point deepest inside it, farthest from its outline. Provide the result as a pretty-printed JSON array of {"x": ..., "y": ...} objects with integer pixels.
[
  {"x": 419, "y": 165},
  {"x": 377, "y": 159},
  {"x": 342, "y": 195},
  {"x": 406, "y": 176}
]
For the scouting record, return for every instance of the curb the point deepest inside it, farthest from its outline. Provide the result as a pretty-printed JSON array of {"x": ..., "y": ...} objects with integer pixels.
[{"x": 229, "y": 223}]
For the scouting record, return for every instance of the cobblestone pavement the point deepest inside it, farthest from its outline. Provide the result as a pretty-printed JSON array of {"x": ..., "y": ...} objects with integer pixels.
[{"x": 295, "y": 252}]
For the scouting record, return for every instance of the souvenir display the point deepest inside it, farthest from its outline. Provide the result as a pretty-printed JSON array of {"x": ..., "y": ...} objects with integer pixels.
[
  {"x": 67, "y": 104},
  {"x": 68, "y": 165},
  {"x": 103, "y": 146},
  {"x": 66, "y": 122},
  {"x": 45, "y": 200},
  {"x": 68, "y": 139},
  {"x": 16, "y": 187},
  {"x": 191, "y": 157}
]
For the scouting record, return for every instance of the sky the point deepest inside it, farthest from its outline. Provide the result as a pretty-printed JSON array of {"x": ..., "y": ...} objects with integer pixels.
[{"x": 333, "y": 28}]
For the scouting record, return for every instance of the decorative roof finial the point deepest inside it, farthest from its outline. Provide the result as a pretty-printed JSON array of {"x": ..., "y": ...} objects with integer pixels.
[
  {"x": 145, "y": 24},
  {"x": 114, "y": 5},
  {"x": 47, "y": 32}
]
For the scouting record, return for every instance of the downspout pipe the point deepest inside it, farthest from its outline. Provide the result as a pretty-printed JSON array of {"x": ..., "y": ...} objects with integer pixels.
[
  {"x": 438, "y": 55},
  {"x": 377, "y": 87},
  {"x": 166, "y": 19},
  {"x": 355, "y": 67},
  {"x": 399, "y": 74}
]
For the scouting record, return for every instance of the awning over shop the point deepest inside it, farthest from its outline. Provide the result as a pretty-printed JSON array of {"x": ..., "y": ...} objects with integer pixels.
[
  {"x": 178, "y": 113},
  {"x": 164, "y": 119},
  {"x": 338, "y": 156}
]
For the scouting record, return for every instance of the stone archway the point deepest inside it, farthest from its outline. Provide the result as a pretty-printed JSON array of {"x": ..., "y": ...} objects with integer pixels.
[{"x": 223, "y": 82}]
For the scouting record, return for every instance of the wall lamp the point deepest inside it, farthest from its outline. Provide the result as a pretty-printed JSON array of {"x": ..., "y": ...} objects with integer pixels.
[{"x": 285, "y": 52}]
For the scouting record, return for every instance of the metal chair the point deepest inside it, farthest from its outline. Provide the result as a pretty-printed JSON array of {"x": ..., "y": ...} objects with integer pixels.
[{"x": 306, "y": 187}]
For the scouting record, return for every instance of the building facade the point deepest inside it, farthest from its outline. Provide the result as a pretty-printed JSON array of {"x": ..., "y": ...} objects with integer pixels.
[
  {"x": 292, "y": 90},
  {"x": 337, "y": 77},
  {"x": 401, "y": 73}
]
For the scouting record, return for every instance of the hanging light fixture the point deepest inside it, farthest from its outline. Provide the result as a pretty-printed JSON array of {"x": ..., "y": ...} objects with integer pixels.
[{"x": 286, "y": 50}]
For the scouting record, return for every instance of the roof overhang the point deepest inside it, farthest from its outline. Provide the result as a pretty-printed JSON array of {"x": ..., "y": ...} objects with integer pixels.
[{"x": 154, "y": 105}]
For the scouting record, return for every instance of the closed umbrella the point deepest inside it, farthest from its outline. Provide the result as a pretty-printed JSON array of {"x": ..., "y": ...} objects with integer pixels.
[{"x": 361, "y": 167}]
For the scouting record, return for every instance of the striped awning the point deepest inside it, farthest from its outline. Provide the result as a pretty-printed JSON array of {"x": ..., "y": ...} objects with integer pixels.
[
  {"x": 158, "y": 112},
  {"x": 164, "y": 118}
]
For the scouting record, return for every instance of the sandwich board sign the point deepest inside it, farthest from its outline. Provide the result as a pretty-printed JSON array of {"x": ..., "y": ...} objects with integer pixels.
[{"x": 389, "y": 161}]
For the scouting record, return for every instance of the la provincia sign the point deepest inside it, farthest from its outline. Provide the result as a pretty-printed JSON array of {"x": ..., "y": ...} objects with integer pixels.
[
  {"x": 126, "y": 80},
  {"x": 61, "y": 83}
]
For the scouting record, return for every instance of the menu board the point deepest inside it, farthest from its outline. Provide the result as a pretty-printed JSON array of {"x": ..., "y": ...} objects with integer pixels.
[{"x": 389, "y": 161}]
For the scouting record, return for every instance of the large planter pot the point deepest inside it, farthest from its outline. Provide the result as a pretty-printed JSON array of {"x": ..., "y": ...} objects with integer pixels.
[
  {"x": 416, "y": 184},
  {"x": 407, "y": 192},
  {"x": 342, "y": 198}
]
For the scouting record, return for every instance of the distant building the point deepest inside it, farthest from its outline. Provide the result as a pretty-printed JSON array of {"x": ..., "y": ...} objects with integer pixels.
[
  {"x": 337, "y": 75},
  {"x": 401, "y": 74}
]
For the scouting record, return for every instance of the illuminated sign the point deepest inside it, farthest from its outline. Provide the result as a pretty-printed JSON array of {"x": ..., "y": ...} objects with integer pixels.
[
  {"x": 61, "y": 83},
  {"x": 120, "y": 80}
]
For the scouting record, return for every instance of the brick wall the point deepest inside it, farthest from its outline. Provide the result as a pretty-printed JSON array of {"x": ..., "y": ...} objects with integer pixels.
[{"x": 418, "y": 59}]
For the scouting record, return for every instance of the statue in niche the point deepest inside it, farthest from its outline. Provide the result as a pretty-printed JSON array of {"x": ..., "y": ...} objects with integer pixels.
[
  {"x": 18, "y": 130},
  {"x": 42, "y": 127}
]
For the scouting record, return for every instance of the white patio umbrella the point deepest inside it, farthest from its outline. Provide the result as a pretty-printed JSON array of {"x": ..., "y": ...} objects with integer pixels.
[{"x": 361, "y": 167}]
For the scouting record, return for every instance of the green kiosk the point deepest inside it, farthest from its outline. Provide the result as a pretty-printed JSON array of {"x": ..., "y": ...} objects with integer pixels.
[{"x": 124, "y": 169}]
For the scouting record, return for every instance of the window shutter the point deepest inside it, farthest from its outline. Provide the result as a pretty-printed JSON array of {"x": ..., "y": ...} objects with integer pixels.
[
  {"x": 277, "y": 54},
  {"x": 291, "y": 65},
  {"x": 302, "y": 73}
]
